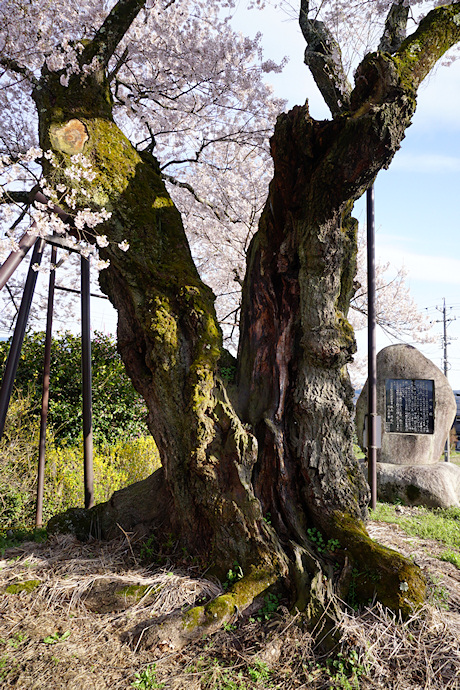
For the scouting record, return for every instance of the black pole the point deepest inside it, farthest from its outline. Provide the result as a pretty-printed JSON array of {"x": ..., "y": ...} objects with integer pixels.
[
  {"x": 371, "y": 351},
  {"x": 446, "y": 369},
  {"x": 45, "y": 394},
  {"x": 19, "y": 332},
  {"x": 86, "y": 383}
]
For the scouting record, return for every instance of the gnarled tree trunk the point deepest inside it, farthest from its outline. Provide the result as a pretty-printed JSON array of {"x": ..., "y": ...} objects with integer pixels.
[{"x": 251, "y": 471}]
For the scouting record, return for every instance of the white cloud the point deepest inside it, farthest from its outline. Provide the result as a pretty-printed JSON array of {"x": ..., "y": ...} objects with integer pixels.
[{"x": 426, "y": 268}]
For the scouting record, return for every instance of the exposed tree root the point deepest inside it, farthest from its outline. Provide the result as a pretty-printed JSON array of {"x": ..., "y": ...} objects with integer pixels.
[
  {"x": 138, "y": 509},
  {"x": 378, "y": 572},
  {"x": 362, "y": 571},
  {"x": 178, "y": 630}
]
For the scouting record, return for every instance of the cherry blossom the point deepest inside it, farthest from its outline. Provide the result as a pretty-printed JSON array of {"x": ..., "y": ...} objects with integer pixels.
[{"x": 186, "y": 87}]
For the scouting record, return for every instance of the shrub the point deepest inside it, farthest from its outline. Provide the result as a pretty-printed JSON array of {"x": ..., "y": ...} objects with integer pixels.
[
  {"x": 115, "y": 465},
  {"x": 18, "y": 464},
  {"x": 118, "y": 410}
]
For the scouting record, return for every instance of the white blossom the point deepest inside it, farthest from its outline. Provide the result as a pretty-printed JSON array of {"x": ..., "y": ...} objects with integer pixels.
[
  {"x": 183, "y": 53},
  {"x": 102, "y": 241},
  {"x": 100, "y": 265}
]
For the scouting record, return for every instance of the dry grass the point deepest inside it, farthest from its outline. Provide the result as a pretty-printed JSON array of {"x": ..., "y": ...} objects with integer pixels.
[{"x": 98, "y": 593}]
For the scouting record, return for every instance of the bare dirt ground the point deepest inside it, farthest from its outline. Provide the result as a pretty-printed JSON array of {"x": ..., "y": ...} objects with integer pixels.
[{"x": 68, "y": 611}]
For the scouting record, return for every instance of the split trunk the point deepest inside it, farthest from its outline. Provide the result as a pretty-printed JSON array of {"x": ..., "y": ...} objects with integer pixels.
[{"x": 254, "y": 468}]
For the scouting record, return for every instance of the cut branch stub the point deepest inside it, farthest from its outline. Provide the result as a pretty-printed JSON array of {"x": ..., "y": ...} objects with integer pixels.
[{"x": 69, "y": 138}]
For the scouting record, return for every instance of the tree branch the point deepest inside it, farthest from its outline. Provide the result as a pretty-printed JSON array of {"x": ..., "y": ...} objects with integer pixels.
[
  {"x": 112, "y": 31},
  {"x": 436, "y": 33},
  {"x": 185, "y": 185},
  {"x": 16, "y": 197},
  {"x": 324, "y": 59},
  {"x": 120, "y": 62},
  {"x": 395, "y": 28},
  {"x": 14, "y": 66}
]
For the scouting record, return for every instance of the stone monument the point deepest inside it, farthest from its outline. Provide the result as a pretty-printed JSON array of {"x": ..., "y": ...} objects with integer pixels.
[{"x": 417, "y": 408}]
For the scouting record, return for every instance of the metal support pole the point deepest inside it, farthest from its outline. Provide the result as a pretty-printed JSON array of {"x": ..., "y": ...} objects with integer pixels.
[
  {"x": 14, "y": 259},
  {"x": 19, "y": 332},
  {"x": 45, "y": 394},
  {"x": 86, "y": 383},
  {"x": 447, "y": 447},
  {"x": 26, "y": 242},
  {"x": 371, "y": 350}
]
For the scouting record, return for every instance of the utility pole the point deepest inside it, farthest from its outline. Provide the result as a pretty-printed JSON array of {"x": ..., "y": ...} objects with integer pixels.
[{"x": 445, "y": 343}]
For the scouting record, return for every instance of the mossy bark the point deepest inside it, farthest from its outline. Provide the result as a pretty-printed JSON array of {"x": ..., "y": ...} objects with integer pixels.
[
  {"x": 296, "y": 341},
  {"x": 168, "y": 336},
  {"x": 286, "y": 451}
]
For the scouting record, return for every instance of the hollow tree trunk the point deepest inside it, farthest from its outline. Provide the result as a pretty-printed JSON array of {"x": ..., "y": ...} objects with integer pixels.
[{"x": 287, "y": 448}]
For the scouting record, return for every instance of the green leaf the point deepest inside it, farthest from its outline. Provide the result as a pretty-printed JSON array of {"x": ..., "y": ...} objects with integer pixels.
[{"x": 57, "y": 637}]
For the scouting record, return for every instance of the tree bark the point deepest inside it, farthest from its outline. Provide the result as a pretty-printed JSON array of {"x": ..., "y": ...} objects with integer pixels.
[{"x": 254, "y": 473}]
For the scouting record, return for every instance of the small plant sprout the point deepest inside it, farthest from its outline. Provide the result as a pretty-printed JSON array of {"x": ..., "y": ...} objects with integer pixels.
[
  {"x": 147, "y": 679},
  {"x": 57, "y": 637},
  {"x": 233, "y": 575}
]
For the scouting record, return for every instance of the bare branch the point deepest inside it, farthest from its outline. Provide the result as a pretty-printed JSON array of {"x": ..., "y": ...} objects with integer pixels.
[
  {"x": 112, "y": 31},
  {"x": 120, "y": 62},
  {"x": 14, "y": 66},
  {"x": 395, "y": 28},
  {"x": 185, "y": 185},
  {"x": 324, "y": 58},
  {"x": 16, "y": 198}
]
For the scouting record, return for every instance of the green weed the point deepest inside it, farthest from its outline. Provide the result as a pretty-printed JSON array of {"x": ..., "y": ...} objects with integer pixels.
[
  {"x": 438, "y": 593},
  {"x": 345, "y": 671},
  {"x": 233, "y": 575},
  {"x": 57, "y": 637},
  {"x": 4, "y": 667},
  {"x": 147, "y": 679},
  {"x": 259, "y": 672},
  {"x": 321, "y": 546},
  {"x": 17, "y": 640},
  {"x": 450, "y": 557},
  {"x": 271, "y": 603}
]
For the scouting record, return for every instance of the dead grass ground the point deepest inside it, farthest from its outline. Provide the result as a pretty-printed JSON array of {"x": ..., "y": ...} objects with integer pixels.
[{"x": 67, "y": 612}]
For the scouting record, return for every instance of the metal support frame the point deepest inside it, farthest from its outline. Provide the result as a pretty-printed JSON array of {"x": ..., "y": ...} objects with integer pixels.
[
  {"x": 45, "y": 395},
  {"x": 371, "y": 350},
  {"x": 14, "y": 259},
  {"x": 19, "y": 332},
  {"x": 6, "y": 271}
]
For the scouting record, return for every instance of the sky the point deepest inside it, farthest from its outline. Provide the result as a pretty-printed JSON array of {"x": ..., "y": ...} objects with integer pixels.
[{"x": 416, "y": 201}]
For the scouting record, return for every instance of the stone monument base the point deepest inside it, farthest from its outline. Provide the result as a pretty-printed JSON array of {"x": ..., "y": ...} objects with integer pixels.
[{"x": 433, "y": 486}]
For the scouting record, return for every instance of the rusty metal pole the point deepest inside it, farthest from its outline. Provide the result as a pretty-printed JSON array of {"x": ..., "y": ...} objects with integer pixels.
[
  {"x": 14, "y": 259},
  {"x": 86, "y": 383},
  {"x": 45, "y": 394},
  {"x": 371, "y": 351},
  {"x": 19, "y": 332}
]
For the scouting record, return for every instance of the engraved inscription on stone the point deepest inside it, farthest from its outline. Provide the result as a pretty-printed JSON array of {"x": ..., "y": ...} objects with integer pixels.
[{"x": 409, "y": 406}]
